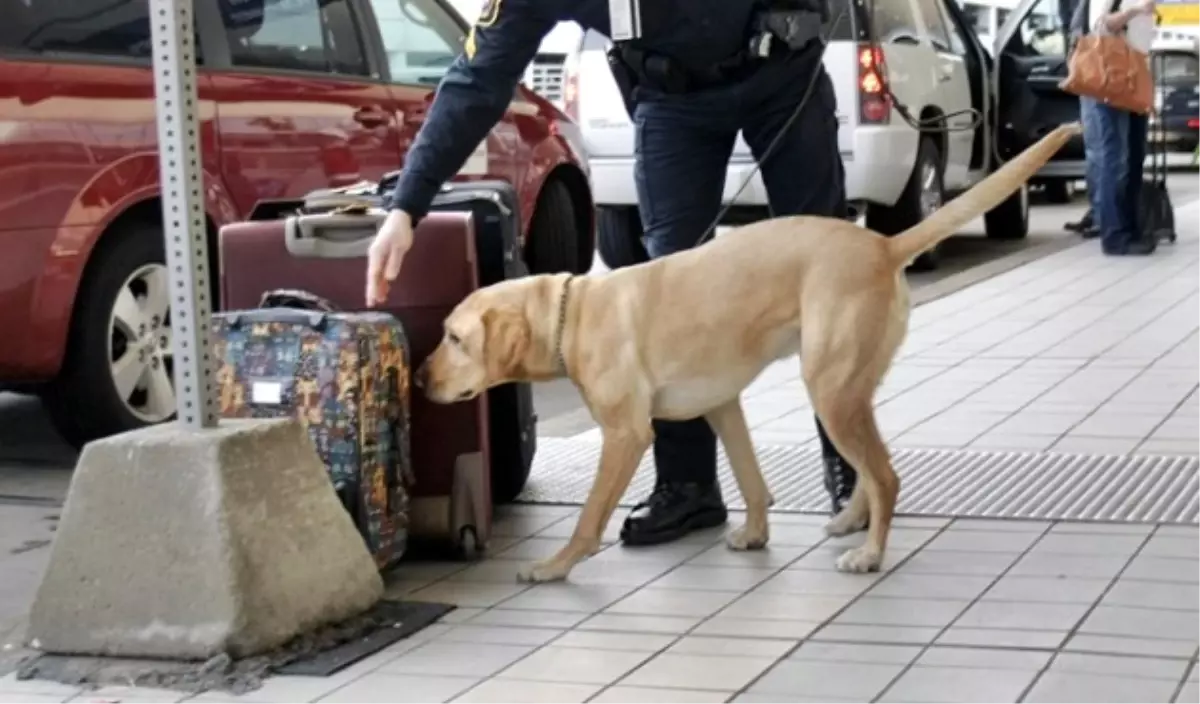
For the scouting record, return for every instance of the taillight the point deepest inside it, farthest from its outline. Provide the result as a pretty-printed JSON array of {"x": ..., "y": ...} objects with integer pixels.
[
  {"x": 874, "y": 107},
  {"x": 571, "y": 91},
  {"x": 1193, "y": 123}
]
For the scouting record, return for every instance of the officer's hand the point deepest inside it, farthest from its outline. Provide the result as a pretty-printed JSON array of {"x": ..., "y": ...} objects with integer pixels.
[{"x": 387, "y": 252}]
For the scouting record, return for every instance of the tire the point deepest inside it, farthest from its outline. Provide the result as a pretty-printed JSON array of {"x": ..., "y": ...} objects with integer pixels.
[
  {"x": 513, "y": 440},
  {"x": 1059, "y": 191},
  {"x": 923, "y": 194},
  {"x": 1010, "y": 219},
  {"x": 553, "y": 244},
  {"x": 619, "y": 237},
  {"x": 121, "y": 317}
]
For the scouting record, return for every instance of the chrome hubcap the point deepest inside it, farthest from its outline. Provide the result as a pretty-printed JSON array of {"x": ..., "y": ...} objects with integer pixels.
[
  {"x": 931, "y": 190},
  {"x": 139, "y": 351}
]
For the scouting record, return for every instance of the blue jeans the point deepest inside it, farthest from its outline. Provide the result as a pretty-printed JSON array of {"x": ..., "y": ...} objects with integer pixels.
[
  {"x": 1115, "y": 143},
  {"x": 683, "y": 145}
]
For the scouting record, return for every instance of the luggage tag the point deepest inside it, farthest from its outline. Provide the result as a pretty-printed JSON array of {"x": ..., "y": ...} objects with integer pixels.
[{"x": 266, "y": 393}]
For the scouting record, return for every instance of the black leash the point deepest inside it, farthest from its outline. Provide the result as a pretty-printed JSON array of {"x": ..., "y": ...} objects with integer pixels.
[{"x": 932, "y": 124}]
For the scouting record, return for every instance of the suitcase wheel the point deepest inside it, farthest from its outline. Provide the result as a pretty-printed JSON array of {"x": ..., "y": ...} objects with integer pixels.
[{"x": 468, "y": 544}]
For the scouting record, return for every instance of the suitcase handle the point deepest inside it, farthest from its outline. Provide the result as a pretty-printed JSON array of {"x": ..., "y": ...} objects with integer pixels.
[
  {"x": 332, "y": 235},
  {"x": 295, "y": 298},
  {"x": 314, "y": 319}
]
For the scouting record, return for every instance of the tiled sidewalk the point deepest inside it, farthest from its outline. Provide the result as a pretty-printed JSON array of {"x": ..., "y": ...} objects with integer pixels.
[
  {"x": 988, "y": 611},
  {"x": 1075, "y": 352}
]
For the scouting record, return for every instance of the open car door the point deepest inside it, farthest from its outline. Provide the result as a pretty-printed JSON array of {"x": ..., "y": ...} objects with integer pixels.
[{"x": 1031, "y": 59}]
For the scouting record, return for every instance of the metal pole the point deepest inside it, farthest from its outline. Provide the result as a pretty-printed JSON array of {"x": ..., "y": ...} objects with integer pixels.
[{"x": 182, "y": 176}]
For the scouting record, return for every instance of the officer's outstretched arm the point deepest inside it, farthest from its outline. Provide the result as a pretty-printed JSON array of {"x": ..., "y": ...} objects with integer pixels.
[{"x": 472, "y": 97}]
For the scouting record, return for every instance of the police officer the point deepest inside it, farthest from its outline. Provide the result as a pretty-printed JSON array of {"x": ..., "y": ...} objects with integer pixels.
[{"x": 700, "y": 71}]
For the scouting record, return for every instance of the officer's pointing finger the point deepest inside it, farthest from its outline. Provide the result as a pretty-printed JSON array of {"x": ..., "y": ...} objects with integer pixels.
[
  {"x": 374, "y": 278},
  {"x": 395, "y": 257}
]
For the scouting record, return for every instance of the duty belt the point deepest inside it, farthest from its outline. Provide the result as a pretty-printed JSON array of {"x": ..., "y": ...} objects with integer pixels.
[{"x": 667, "y": 75}]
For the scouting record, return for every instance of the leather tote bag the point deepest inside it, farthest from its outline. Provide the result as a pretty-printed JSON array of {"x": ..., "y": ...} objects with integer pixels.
[{"x": 1106, "y": 68}]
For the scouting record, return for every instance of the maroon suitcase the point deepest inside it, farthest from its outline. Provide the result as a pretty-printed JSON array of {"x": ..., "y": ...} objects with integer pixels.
[{"x": 451, "y": 498}]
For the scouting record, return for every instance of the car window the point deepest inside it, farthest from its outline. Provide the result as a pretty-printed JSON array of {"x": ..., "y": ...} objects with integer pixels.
[
  {"x": 895, "y": 22},
  {"x": 420, "y": 38},
  {"x": 958, "y": 44},
  {"x": 1175, "y": 66},
  {"x": 978, "y": 16},
  {"x": 99, "y": 28},
  {"x": 296, "y": 35},
  {"x": 843, "y": 29},
  {"x": 1041, "y": 32},
  {"x": 935, "y": 23}
]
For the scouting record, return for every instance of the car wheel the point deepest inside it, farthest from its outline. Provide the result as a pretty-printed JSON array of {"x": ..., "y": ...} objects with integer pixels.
[
  {"x": 118, "y": 372},
  {"x": 1010, "y": 219},
  {"x": 553, "y": 243},
  {"x": 619, "y": 237},
  {"x": 1059, "y": 190},
  {"x": 923, "y": 194}
]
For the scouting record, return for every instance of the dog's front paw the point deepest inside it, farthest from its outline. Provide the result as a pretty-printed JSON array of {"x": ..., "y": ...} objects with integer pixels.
[
  {"x": 860, "y": 559},
  {"x": 745, "y": 539},
  {"x": 546, "y": 571},
  {"x": 845, "y": 523}
]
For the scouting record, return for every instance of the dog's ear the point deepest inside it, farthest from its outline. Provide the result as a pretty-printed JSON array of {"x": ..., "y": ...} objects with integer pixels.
[{"x": 506, "y": 341}]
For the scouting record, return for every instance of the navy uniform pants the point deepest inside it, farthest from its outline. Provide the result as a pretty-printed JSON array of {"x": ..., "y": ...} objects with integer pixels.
[{"x": 683, "y": 146}]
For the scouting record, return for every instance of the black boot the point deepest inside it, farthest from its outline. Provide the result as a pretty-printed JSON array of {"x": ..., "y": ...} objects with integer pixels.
[
  {"x": 1083, "y": 225},
  {"x": 840, "y": 479},
  {"x": 672, "y": 511}
]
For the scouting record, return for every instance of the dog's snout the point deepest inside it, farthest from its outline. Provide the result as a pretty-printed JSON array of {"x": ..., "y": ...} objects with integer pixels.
[{"x": 419, "y": 377}]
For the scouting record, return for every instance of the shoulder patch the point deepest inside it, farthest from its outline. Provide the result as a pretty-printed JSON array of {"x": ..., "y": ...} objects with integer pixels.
[
  {"x": 490, "y": 13},
  {"x": 469, "y": 44}
]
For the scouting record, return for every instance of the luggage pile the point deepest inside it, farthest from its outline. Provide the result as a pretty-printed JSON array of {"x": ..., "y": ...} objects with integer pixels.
[{"x": 293, "y": 340}]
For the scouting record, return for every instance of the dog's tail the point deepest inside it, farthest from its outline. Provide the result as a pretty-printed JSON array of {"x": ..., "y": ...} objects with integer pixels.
[{"x": 987, "y": 194}]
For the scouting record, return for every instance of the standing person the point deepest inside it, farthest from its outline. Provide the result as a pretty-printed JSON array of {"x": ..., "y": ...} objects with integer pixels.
[
  {"x": 1115, "y": 139},
  {"x": 691, "y": 82}
]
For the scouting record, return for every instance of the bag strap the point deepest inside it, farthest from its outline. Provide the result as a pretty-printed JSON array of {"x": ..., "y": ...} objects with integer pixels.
[{"x": 1079, "y": 18}]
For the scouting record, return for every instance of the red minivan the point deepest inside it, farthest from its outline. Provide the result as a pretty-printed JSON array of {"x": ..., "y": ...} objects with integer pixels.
[{"x": 294, "y": 95}]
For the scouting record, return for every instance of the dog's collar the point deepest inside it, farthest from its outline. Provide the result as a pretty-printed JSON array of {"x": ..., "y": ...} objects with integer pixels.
[{"x": 563, "y": 300}]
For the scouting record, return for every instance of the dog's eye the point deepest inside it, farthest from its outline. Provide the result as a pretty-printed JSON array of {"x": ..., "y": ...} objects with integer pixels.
[{"x": 453, "y": 339}]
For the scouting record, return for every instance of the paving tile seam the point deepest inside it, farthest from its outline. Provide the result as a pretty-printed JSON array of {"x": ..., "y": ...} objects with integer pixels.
[
  {"x": 1065, "y": 379},
  {"x": 1071, "y": 633},
  {"x": 650, "y": 656},
  {"x": 1081, "y": 298},
  {"x": 691, "y": 631},
  {"x": 944, "y": 629},
  {"x": 1187, "y": 672},
  {"x": 850, "y": 603}
]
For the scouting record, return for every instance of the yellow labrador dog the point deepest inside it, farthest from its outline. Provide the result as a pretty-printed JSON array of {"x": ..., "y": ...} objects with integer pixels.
[{"x": 681, "y": 337}]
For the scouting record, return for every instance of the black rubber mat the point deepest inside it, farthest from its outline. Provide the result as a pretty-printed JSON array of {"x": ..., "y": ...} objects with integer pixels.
[
  {"x": 320, "y": 653},
  {"x": 1033, "y": 485}
]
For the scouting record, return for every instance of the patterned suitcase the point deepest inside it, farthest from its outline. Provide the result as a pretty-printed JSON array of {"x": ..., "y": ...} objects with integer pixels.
[
  {"x": 495, "y": 211},
  {"x": 450, "y": 501},
  {"x": 345, "y": 376}
]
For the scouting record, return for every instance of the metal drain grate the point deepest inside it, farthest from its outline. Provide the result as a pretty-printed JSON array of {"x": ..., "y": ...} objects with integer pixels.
[{"x": 1032, "y": 485}]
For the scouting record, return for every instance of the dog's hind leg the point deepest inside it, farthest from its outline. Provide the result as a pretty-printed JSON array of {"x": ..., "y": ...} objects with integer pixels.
[
  {"x": 843, "y": 361},
  {"x": 851, "y": 426},
  {"x": 620, "y": 454},
  {"x": 729, "y": 423}
]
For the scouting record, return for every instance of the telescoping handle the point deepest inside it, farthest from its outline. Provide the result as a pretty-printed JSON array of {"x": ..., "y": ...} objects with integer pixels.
[{"x": 336, "y": 235}]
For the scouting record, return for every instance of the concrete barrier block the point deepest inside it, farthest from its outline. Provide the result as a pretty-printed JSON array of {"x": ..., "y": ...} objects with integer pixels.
[{"x": 185, "y": 544}]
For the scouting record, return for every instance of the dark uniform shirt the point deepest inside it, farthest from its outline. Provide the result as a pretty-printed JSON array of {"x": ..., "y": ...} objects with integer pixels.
[{"x": 478, "y": 87}]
